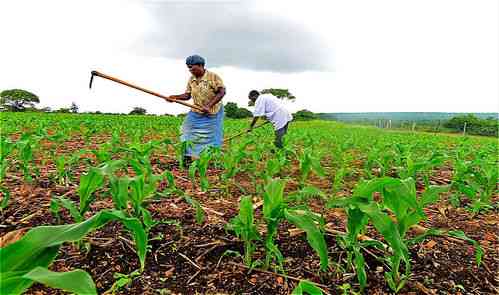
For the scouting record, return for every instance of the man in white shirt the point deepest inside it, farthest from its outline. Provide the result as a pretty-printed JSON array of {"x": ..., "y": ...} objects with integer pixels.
[{"x": 270, "y": 107}]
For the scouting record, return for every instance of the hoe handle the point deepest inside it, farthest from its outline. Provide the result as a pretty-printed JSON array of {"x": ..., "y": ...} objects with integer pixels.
[
  {"x": 95, "y": 73},
  {"x": 239, "y": 134}
]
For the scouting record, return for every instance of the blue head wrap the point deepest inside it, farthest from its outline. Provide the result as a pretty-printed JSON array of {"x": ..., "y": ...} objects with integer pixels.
[{"x": 194, "y": 60}]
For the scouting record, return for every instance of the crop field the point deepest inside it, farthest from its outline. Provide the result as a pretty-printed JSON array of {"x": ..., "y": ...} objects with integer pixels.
[{"x": 104, "y": 204}]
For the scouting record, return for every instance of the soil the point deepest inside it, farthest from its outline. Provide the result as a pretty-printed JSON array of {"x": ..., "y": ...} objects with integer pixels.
[{"x": 188, "y": 258}]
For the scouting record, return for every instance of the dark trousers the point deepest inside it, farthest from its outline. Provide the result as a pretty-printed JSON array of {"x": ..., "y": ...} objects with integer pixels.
[{"x": 279, "y": 134}]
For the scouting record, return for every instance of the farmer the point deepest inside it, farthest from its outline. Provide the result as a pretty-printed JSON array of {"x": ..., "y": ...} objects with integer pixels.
[
  {"x": 270, "y": 107},
  {"x": 202, "y": 128}
]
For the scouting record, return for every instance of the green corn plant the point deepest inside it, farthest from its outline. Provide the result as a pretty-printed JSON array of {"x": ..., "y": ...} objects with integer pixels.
[
  {"x": 398, "y": 199},
  {"x": 385, "y": 161},
  {"x": 245, "y": 228},
  {"x": 87, "y": 131},
  {"x": 58, "y": 137},
  {"x": 115, "y": 141},
  {"x": 54, "y": 208},
  {"x": 62, "y": 174},
  {"x": 346, "y": 289},
  {"x": 273, "y": 167},
  {"x": 483, "y": 183},
  {"x": 103, "y": 153},
  {"x": 139, "y": 154},
  {"x": 24, "y": 147},
  {"x": 357, "y": 221},
  {"x": 251, "y": 166},
  {"x": 309, "y": 163},
  {"x": 371, "y": 162},
  {"x": 89, "y": 183},
  {"x": 141, "y": 189},
  {"x": 475, "y": 179},
  {"x": 356, "y": 224},
  {"x": 171, "y": 188},
  {"x": 64, "y": 165},
  {"x": 275, "y": 210},
  {"x": 6, "y": 147},
  {"x": 119, "y": 191},
  {"x": 462, "y": 171},
  {"x": 231, "y": 164},
  {"x": 180, "y": 150},
  {"x": 306, "y": 221},
  {"x": 273, "y": 207},
  {"x": 436, "y": 159},
  {"x": 306, "y": 287},
  {"x": 338, "y": 180},
  {"x": 201, "y": 166},
  {"x": 5, "y": 198},
  {"x": 200, "y": 216},
  {"x": 231, "y": 160},
  {"x": 305, "y": 194},
  {"x": 139, "y": 157},
  {"x": 425, "y": 166},
  {"x": 26, "y": 260},
  {"x": 122, "y": 281}
]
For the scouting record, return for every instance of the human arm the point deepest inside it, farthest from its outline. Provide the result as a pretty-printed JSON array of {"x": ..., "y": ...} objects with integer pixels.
[
  {"x": 255, "y": 119},
  {"x": 183, "y": 96},
  {"x": 219, "y": 94}
]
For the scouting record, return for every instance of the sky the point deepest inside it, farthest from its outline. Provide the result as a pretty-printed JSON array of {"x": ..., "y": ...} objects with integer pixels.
[{"x": 334, "y": 56}]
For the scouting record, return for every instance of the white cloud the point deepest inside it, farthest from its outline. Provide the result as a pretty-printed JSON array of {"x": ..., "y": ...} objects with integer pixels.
[{"x": 439, "y": 55}]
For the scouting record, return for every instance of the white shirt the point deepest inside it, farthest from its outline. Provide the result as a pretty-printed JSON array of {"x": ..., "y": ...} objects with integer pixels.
[{"x": 271, "y": 107}]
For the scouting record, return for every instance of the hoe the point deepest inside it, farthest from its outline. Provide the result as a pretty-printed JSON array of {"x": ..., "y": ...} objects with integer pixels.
[{"x": 98, "y": 74}]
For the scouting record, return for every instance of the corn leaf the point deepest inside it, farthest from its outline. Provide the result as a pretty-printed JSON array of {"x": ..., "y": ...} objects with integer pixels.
[
  {"x": 76, "y": 281},
  {"x": 314, "y": 236}
]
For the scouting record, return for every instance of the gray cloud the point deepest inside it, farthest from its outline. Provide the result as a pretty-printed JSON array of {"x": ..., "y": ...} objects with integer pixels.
[{"x": 234, "y": 34}]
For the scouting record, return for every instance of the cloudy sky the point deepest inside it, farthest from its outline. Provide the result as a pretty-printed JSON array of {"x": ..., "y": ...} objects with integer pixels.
[{"x": 334, "y": 56}]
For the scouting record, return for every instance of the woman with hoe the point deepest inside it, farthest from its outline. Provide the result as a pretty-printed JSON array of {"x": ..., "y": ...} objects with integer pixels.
[{"x": 202, "y": 128}]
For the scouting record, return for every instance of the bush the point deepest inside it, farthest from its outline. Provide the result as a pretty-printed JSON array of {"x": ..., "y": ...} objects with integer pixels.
[
  {"x": 304, "y": 115},
  {"x": 138, "y": 111},
  {"x": 474, "y": 125},
  {"x": 233, "y": 111}
]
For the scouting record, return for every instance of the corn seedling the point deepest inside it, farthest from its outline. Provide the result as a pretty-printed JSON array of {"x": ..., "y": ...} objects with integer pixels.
[
  {"x": 275, "y": 210},
  {"x": 26, "y": 260},
  {"x": 309, "y": 163},
  {"x": 245, "y": 228},
  {"x": 306, "y": 287},
  {"x": 201, "y": 166}
]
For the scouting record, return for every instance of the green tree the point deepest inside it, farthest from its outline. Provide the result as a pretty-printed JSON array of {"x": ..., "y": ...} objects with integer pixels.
[
  {"x": 138, "y": 111},
  {"x": 233, "y": 111},
  {"x": 474, "y": 125},
  {"x": 244, "y": 113},
  {"x": 17, "y": 100},
  {"x": 304, "y": 115},
  {"x": 279, "y": 93},
  {"x": 74, "y": 107},
  {"x": 62, "y": 110},
  {"x": 458, "y": 122},
  {"x": 230, "y": 109}
]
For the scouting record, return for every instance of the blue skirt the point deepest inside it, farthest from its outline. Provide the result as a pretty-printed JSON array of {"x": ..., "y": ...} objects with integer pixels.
[{"x": 202, "y": 130}]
